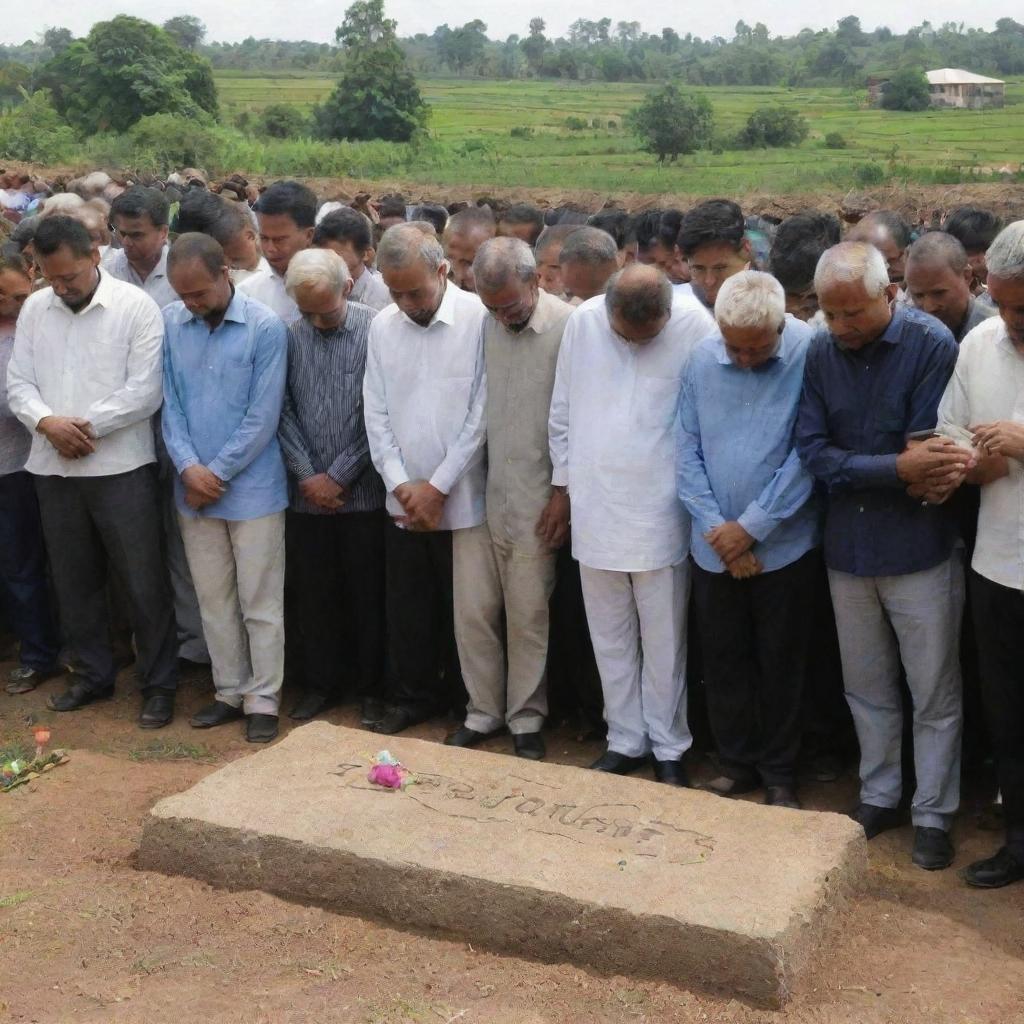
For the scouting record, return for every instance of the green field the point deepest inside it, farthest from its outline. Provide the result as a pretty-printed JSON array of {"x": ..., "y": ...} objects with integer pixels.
[{"x": 471, "y": 120}]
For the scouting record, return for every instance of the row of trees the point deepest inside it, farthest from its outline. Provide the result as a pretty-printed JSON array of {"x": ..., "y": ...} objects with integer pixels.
[{"x": 603, "y": 50}]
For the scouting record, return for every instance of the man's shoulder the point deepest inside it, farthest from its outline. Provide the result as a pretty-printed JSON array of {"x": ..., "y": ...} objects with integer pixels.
[
  {"x": 258, "y": 313},
  {"x": 359, "y": 317},
  {"x": 35, "y": 305},
  {"x": 706, "y": 352},
  {"x": 926, "y": 329},
  {"x": 256, "y": 281},
  {"x": 124, "y": 295},
  {"x": 979, "y": 339}
]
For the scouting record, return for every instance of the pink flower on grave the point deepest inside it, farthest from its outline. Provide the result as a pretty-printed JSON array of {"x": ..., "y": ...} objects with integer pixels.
[{"x": 387, "y": 775}]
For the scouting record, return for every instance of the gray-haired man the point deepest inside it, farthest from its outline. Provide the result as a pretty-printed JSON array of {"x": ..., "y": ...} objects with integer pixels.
[{"x": 507, "y": 565}]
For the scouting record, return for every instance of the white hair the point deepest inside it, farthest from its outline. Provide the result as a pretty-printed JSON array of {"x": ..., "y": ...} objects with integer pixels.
[
  {"x": 498, "y": 260},
  {"x": 405, "y": 244},
  {"x": 63, "y": 203},
  {"x": 853, "y": 261},
  {"x": 316, "y": 266},
  {"x": 327, "y": 209},
  {"x": 1005, "y": 256},
  {"x": 751, "y": 299}
]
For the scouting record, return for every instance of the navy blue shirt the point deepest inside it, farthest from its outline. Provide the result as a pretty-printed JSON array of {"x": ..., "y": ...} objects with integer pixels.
[{"x": 856, "y": 412}]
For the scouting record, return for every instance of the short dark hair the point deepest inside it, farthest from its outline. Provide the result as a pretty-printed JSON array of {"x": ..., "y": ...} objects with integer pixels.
[
  {"x": 345, "y": 225},
  {"x": 433, "y": 214},
  {"x": 232, "y": 218},
  {"x": 524, "y": 213},
  {"x": 53, "y": 232},
  {"x": 668, "y": 228},
  {"x": 974, "y": 227},
  {"x": 616, "y": 223},
  {"x": 939, "y": 247},
  {"x": 897, "y": 227},
  {"x": 717, "y": 220},
  {"x": 392, "y": 206},
  {"x": 196, "y": 246},
  {"x": 646, "y": 228},
  {"x": 25, "y": 232},
  {"x": 15, "y": 263},
  {"x": 553, "y": 234},
  {"x": 140, "y": 201},
  {"x": 798, "y": 244},
  {"x": 199, "y": 211},
  {"x": 590, "y": 246},
  {"x": 470, "y": 219},
  {"x": 289, "y": 199}
]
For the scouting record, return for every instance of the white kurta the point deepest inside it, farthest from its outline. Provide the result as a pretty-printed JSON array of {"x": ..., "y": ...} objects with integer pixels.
[
  {"x": 612, "y": 432},
  {"x": 157, "y": 285},
  {"x": 268, "y": 287}
]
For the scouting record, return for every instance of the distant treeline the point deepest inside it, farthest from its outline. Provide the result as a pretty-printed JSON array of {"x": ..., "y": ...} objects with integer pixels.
[{"x": 623, "y": 51}]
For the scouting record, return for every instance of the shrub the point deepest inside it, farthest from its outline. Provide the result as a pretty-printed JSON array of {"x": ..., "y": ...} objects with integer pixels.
[
  {"x": 906, "y": 90},
  {"x": 521, "y": 132},
  {"x": 770, "y": 127},
  {"x": 575, "y": 124},
  {"x": 835, "y": 140},
  {"x": 870, "y": 174},
  {"x": 168, "y": 140},
  {"x": 35, "y": 132},
  {"x": 282, "y": 121}
]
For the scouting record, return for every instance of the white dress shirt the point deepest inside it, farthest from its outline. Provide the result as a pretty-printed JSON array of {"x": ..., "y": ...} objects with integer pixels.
[
  {"x": 268, "y": 287},
  {"x": 238, "y": 274},
  {"x": 612, "y": 432},
  {"x": 157, "y": 285},
  {"x": 423, "y": 397},
  {"x": 103, "y": 364},
  {"x": 371, "y": 290},
  {"x": 988, "y": 385}
]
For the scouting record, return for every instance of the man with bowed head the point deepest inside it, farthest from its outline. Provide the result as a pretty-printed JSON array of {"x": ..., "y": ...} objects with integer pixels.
[
  {"x": 613, "y": 429},
  {"x": 505, "y": 568},
  {"x": 872, "y": 384},
  {"x": 423, "y": 397},
  {"x": 755, "y": 532}
]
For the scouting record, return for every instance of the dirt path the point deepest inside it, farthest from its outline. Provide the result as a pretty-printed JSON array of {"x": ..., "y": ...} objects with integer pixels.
[{"x": 85, "y": 937}]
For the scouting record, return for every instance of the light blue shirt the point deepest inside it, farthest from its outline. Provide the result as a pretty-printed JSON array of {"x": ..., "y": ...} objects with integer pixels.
[
  {"x": 223, "y": 391},
  {"x": 736, "y": 460}
]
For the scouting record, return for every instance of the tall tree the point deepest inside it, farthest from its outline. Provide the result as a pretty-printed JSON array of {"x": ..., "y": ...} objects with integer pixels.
[
  {"x": 186, "y": 29},
  {"x": 377, "y": 96},
  {"x": 126, "y": 69},
  {"x": 535, "y": 44},
  {"x": 57, "y": 40},
  {"x": 670, "y": 122}
]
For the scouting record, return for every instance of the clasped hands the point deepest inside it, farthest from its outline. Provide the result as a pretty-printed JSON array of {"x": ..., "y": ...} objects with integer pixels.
[
  {"x": 202, "y": 487},
  {"x": 732, "y": 544},
  {"x": 72, "y": 436},
  {"x": 935, "y": 467},
  {"x": 323, "y": 492},
  {"x": 422, "y": 503}
]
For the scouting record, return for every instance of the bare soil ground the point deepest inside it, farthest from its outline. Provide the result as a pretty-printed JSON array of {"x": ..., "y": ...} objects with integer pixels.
[{"x": 86, "y": 937}]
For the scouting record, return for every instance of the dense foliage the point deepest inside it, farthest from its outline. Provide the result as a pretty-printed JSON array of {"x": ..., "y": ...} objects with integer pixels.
[
  {"x": 906, "y": 90},
  {"x": 670, "y": 122}
]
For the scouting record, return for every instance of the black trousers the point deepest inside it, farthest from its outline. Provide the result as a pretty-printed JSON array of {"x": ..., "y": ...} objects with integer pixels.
[
  {"x": 336, "y": 567},
  {"x": 999, "y": 627},
  {"x": 755, "y": 635},
  {"x": 24, "y": 590},
  {"x": 93, "y": 525},
  {"x": 423, "y": 660}
]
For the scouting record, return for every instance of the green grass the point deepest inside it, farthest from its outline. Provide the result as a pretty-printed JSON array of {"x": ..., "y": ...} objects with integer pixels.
[{"x": 470, "y": 123}]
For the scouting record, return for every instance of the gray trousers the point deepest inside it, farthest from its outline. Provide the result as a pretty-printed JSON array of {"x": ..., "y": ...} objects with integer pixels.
[
  {"x": 238, "y": 571},
  {"x": 90, "y": 524},
  {"x": 915, "y": 619},
  {"x": 491, "y": 577}
]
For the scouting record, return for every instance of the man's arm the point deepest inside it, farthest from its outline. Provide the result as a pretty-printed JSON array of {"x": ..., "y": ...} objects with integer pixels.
[
  {"x": 470, "y": 440},
  {"x": 384, "y": 448},
  {"x": 140, "y": 395},
  {"x": 692, "y": 483},
  {"x": 789, "y": 489},
  {"x": 294, "y": 445},
  {"x": 173, "y": 423},
  {"x": 260, "y": 423},
  {"x": 558, "y": 415},
  {"x": 22, "y": 388}
]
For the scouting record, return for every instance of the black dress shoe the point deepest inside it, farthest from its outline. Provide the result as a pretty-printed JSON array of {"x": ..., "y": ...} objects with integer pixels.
[
  {"x": 672, "y": 773},
  {"x": 309, "y": 706},
  {"x": 876, "y": 820},
  {"x": 617, "y": 764},
  {"x": 157, "y": 711},
  {"x": 398, "y": 719},
  {"x": 530, "y": 745},
  {"x": 216, "y": 713},
  {"x": 261, "y": 728},
  {"x": 726, "y": 785},
  {"x": 371, "y": 711},
  {"x": 24, "y": 679},
  {"x": 933, "y": 849},
  {"x": 78, "y": 695},
  {"x": 994, "y": 872},
  {"x": 781, "y": 796},
  {"x": 466, "y": 737}
]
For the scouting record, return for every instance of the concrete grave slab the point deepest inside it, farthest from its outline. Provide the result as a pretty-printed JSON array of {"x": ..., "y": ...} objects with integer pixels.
[{"x": 543, "y": 860}]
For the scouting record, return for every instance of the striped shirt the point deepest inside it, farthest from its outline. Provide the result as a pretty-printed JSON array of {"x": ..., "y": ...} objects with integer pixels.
[{"x": 322, "y": 428}]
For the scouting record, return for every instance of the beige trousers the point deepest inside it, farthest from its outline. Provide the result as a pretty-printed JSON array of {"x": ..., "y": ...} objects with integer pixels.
[
  {"x": 491, "y": 577},
  {"x": 238, "y": 571}
]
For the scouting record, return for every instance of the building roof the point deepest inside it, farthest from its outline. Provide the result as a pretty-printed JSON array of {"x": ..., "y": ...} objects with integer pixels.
[{"x": 957, "y": 76}]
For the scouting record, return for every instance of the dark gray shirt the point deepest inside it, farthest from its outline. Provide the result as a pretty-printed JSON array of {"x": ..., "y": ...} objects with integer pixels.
[
  {"x": 322, "y": 428},
  {"x": 15, "y": 440}
]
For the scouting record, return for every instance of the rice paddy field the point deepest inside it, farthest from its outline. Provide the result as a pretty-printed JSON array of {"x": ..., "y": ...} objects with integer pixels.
[{"x": 471, "y": 142}]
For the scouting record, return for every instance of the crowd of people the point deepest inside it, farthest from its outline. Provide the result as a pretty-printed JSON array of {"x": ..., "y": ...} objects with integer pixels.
[{"x": 428, "y": 457}]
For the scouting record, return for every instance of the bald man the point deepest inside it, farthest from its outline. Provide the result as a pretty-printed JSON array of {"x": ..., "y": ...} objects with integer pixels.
[
  {"x": 612, "y": 433},
  {"x": 465, "y": 233}
]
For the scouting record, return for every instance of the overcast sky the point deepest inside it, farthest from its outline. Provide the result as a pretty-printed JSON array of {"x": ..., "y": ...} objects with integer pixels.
[{"x": 233, "y": 20}]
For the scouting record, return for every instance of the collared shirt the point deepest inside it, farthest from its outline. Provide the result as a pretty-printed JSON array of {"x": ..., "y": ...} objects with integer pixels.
[
  {"x": 322, "y": 428},
  {"x": 15, "y": 440},
  {"x": 737, "y": 461},
  {"x": 520, "y": 378},
  {"x": 267, "y": 286},
  {"x": 988, "y": 385},
  {"x": 223, "y": 391},
  {"x": 977, "y": 313},
  {"x": 856, "y": 412},
  {"x": 157, "y": 285},
  {"x": 613, "y": 430},
  {"x": 238, "y": 274},
  {"x": 370, "y": 290},
  {"x": 423, "y": 397},
  {"x": 102, "y": 364}
]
